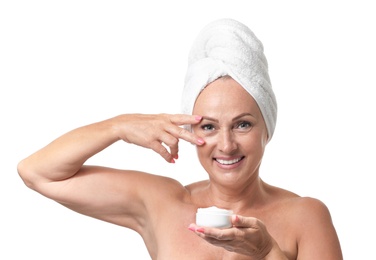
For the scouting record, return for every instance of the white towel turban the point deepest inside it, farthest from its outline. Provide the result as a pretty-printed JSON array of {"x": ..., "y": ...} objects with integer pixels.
[{"x": 228, "y": 47}]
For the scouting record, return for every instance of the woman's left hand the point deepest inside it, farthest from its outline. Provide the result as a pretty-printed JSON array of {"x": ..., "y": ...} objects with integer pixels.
[{"x": 247, "y": 236}]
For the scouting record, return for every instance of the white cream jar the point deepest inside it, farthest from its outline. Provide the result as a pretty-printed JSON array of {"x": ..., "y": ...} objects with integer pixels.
[{"x": 214, "y": 217}]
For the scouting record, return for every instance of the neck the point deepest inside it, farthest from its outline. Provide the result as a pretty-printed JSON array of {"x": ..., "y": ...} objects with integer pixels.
[{"x": 238, "y": 199}]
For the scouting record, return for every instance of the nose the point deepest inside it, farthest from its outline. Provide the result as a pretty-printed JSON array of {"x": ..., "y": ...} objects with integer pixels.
[{"x": 226, "y": 142}]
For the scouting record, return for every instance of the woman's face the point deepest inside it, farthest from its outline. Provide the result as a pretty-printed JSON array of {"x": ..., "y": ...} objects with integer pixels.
[{"x": 234, "y": 131}]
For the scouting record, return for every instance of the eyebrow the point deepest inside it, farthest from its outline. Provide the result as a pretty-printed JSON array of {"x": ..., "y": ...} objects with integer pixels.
[{"x": 235, "y": 118}]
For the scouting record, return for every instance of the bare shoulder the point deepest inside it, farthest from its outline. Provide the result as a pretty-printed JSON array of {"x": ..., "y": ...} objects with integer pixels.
[
  {"x": 306, "y": 205},
  {"x": 307, "y": 221},
  {"x": 196, "y": 189},
  {"x": 300, "y": 206},
  {"x": 316, "y": 234},
  {"x": 303, "y": 214},
  {"x": 302, "y": 209},
  {"x": 309, "y": 209}
]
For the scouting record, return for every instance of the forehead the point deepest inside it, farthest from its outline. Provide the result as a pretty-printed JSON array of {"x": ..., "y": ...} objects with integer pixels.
[{"x": 225, "y": 94}]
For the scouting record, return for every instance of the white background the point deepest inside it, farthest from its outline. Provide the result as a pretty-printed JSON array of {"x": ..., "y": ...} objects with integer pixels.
[{"x": 64, "y": 64}]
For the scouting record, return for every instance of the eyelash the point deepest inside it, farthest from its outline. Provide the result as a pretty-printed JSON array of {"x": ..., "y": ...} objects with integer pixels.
[
  {"x": 204, "y": 127},
  {"x": 245, "y": 123},
  {"x": 238, "y": 125}
]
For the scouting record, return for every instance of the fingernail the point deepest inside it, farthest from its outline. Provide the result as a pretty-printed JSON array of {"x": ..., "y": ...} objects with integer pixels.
[
  {"x": 176, "y": 156},
  {"x": 200, "y": 230},
  {"x": 191, "y": 228},
  {"x": 200, "y": 141},
  {"x": 198, "y": 118},
  {"x": 172, "y": 160}
]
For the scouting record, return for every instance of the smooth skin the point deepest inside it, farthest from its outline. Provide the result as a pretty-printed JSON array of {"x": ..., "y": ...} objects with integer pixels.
[{"x": 230, "y": 135}]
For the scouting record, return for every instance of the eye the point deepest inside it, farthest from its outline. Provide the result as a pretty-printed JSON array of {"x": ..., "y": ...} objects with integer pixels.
[
  {"x": 244, "y": 125},
  {"x": 207, "y": 127}
]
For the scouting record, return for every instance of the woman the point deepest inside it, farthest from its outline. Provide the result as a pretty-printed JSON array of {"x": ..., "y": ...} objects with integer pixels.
[{"x": 230, "y": 115}]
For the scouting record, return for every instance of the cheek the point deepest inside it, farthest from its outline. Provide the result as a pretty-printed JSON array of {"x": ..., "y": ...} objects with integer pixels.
[
  {"x": 201, "y": 150},
  {"x": 252, "y": 144},
  {"x": 255, "y": 149},
  {"x": 204, "y": 154}
]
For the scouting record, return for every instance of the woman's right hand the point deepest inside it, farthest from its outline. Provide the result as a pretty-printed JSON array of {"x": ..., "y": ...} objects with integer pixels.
[
  {"x": 63, "y": 158},
  {"x": 158, "y": 132},
  {"x": 113, "y": 195}
]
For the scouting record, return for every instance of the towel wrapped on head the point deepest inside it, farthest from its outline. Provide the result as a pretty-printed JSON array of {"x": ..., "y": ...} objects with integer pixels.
[{"x": 227, "y": 47}]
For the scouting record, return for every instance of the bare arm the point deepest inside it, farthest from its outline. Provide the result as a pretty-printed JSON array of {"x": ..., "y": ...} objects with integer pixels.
[
  {"x": 57, "y": 170},
  {"x": 319, "y": 238}
]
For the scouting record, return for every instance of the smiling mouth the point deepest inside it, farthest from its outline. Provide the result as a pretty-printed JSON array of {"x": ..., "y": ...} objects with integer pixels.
[{"x": 229, "y": 162}]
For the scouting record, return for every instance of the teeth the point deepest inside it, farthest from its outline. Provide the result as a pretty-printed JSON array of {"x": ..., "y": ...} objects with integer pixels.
[{"x": 228, "y": 162}]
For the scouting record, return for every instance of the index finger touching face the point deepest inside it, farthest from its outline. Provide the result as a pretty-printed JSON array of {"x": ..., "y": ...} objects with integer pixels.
[
  {"x": 183, "y": 119},
  {"x": 184, "y": 134}
]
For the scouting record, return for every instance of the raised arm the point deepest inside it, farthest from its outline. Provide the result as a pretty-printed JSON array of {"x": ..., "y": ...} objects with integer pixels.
[{"x": 57, "y": 170}]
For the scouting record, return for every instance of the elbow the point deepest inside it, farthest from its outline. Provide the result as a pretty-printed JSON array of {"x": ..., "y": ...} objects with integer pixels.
[{"x": 26, "y": 174}]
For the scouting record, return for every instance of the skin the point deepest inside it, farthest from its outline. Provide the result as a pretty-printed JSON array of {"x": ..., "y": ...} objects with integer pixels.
[{"x": 270, "y": 223}]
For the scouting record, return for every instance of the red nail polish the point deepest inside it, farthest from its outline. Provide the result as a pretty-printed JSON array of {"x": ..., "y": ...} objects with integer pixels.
[
  {"x": 191, "y": 228},
  {"x": 198, "y": 118},
  {"x": 172, "y": 160},
  {"x": 200, "y": 230},
  {"x": 200, "y": 141}
]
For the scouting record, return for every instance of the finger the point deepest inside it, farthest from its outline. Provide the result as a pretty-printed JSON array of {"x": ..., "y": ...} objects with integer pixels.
[
  {"x": 174, "y": 150},
  {"x": 172, "y": 143},
  {"x": 244, "y": 222},
  {"x": 184, "y": 134},
  {"x": 183, "y": 119},
  {"x": 211, "y": 234},
  {"x": 157, "y": 147},
  {"x": 220, "y": 234},
  {"x": 179, "y": 132}
]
